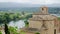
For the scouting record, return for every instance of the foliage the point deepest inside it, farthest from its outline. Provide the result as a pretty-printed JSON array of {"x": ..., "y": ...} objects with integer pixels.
[
  {"x": 58, "y": 18},
  {"x": 28, "y": 16},
  {"x": 37, "y": 33},
  {"x": 6, "y": 29},
  {"x": 7, "y": 17},
  {"x": 22, "y": 32},
  {"x": 13, "y": 30},
  {"x": 26, "y": 23},
  {"x": 0, "y": 32}
]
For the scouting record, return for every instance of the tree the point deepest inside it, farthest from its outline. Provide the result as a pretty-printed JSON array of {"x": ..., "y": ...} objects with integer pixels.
[{"x": 6, "y": 29}]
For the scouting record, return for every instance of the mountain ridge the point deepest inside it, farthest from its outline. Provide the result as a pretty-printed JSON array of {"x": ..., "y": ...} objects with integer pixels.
[{"x": 12, "y": 4}]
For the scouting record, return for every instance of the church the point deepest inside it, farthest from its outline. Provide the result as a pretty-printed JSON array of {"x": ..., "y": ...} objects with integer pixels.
[{"x": 43, "y": 22}]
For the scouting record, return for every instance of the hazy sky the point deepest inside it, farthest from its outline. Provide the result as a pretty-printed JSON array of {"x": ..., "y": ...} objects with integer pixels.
[{"x": 33, "y": 1}]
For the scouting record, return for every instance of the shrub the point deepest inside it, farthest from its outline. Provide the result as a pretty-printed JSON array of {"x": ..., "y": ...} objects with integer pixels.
[
  {"x": 37, "y": 33},
  {"x": 13, "y": 30}
]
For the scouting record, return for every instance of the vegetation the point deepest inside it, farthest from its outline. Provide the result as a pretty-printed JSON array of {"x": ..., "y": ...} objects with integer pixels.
[
  {"x": 13, "y": 30},
  {"x": 6, "y": 29},
  {"x": 0, "y": 32},
  {"x": 7, "y": 17},
  {"x": 37, "y": 33},
  {"x": 26, "y": 23},
  {"x": 58, "y": 18},
  {"x": 22, "y": 32}
]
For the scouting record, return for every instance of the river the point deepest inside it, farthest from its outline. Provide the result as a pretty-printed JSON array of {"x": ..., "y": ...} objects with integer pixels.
[{"x": 18, "y": 24}]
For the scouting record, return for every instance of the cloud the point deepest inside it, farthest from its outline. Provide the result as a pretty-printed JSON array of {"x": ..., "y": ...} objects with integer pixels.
[
  {"x": 52, "y": 1},
  {"x": 33, "y": 1},
  {"x": 37, "y": 1},
  {"x": 14, "y": 1}
]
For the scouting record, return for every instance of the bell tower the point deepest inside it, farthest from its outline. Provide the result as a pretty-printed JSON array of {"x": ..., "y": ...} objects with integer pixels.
[{"x": 44, "y": 10}]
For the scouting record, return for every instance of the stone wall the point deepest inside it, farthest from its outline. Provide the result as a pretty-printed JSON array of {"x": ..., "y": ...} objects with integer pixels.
[{"x": 35, "y": 24}]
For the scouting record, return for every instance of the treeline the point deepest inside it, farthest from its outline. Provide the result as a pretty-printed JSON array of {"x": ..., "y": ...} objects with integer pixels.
[{"x": 7, "y": 17}]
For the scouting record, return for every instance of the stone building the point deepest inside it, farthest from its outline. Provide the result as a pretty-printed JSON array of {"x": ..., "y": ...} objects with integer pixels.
[{"x": 43, "y": 22}]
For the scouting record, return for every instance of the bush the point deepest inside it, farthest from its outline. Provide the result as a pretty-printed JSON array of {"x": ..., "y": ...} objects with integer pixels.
[
  {"x": 37, "y": 33},
  {"x": 13, "y": 30}
]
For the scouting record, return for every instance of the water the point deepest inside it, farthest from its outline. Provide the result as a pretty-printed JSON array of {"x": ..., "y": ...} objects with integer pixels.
[{"x": 18, "y": 24}]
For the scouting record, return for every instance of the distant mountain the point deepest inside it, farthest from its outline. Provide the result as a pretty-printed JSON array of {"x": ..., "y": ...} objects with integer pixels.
[{"x": 19, "y": 5}]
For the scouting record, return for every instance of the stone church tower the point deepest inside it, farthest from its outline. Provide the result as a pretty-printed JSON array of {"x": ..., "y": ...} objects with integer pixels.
[{"x": 42, "y": 22}]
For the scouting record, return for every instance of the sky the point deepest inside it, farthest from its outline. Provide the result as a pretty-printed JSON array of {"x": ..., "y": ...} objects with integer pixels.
[{"x": 34, "y": 1}]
